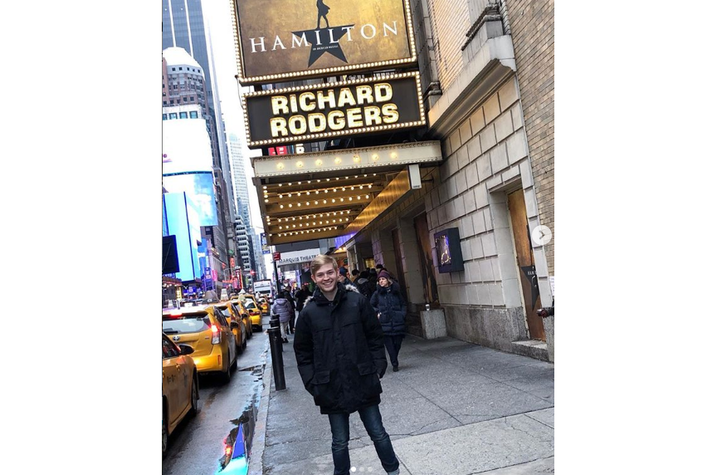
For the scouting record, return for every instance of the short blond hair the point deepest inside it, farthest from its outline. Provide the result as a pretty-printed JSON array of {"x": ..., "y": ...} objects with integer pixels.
[{"x": 320, "y": 261}]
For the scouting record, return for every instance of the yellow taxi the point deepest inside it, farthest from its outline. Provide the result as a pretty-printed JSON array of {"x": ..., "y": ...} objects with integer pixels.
[
  {"x": 236, "y": 305},
  {"x": 208, "y": 332},
  {"x": 263, "y": 304},
  {"x": 252, "y": 309},
  {"x": 180, "y": 387},
  {"x": 236, "y": 323}
]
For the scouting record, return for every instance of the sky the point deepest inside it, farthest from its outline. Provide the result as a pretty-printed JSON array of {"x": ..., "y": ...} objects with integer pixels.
[{"x": 219, "y": 24}]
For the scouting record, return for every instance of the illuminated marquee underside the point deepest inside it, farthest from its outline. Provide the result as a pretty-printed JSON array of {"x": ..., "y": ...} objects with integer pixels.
[
  {"x": 325, "y": 111},
  {"x": 301, "y": 199}
]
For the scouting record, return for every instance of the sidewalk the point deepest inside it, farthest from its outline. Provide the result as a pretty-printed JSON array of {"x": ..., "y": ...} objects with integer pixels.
[{"x": 454, "y": 408}]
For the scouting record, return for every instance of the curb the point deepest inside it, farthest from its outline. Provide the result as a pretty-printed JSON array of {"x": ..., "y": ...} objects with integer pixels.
[{"x": 256, "y": 460}]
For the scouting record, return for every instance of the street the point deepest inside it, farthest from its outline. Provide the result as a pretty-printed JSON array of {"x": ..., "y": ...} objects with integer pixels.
[{"x": 198, "y": 444}]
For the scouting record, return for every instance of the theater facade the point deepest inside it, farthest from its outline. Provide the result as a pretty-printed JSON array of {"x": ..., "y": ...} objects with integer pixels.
[{"x": 424, "y": 144}]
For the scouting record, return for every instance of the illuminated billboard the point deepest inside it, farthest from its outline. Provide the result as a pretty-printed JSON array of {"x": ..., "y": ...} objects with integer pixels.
[
  {"x": 185, "y": 146},
  {"x": 288, "y": 39},
  {"x": 200, "y": 188},
  {"x": 322, "y": 111},
  {"x": 182, "y": 220}
]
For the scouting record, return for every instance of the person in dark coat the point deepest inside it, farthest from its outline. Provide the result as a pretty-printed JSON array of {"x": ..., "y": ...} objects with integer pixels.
[
  {"x": 362, "y": 284},
  {"x": 300, "y": 297},
  {"x": 390, "y": 307},
  {"x": 282, "y": 307},
  {"x": 341, "y": 359},
  {"x": 290, "y": 299},
  {"x": 372, "y": 280}
]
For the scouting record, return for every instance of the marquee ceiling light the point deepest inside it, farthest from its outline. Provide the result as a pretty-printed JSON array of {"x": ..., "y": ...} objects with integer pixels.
[
  {"x": 325, "y": 190},
  {"x": 315, "y": 230}
]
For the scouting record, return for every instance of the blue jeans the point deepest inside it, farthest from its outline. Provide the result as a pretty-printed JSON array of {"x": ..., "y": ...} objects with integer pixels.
[{"x": 371, "y": 418}]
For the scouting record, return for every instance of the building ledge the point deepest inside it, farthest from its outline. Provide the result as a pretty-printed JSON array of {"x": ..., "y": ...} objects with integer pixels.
[
  {"x": 486, "y": 70},
  {"x": 533, "y": 348}
]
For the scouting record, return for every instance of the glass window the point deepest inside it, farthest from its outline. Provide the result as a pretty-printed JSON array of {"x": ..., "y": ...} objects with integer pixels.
[
  {"x": 220, "y": 318},
  {"x": 182, "y": 115},
  {"x": 164, "y": 116},
  {"x": 169, "y": 349},
  {"x": 174, "y": 69},
  {"x": 172, "y": 115},
  {"x": 193, "y": 115},
  {"x": 186, "y": 323}
]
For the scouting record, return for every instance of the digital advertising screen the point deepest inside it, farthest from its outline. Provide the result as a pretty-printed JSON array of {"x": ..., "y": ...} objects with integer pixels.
[
  {"x": 185, "y": 146},
  {"x": 200, "y": 188},
  {"x": 182, "y": 219}
]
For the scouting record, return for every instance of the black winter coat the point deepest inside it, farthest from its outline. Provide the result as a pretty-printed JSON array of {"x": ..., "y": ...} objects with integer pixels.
[
  {"x": 300, "y": 297},
  {"x": 389, "y": 304},
  {"x": 339, "y": 351}
]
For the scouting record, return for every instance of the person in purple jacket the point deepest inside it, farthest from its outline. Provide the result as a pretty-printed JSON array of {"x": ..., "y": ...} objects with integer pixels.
[{"x": 283, "y": 308}]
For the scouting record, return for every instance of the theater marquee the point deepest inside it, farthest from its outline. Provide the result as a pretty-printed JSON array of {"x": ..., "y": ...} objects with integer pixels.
[
  {"x": 325, "y": 111},
  {"x": 294, "y": 39}
]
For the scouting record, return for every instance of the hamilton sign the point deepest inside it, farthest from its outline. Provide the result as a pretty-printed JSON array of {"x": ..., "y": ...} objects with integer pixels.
[
  {"x": 282, "y": 39},
  {"x": 324, "y": 111}
]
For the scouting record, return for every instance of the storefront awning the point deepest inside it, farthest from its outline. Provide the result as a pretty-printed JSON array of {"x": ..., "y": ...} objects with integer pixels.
[{"x": 320, "y": 195}]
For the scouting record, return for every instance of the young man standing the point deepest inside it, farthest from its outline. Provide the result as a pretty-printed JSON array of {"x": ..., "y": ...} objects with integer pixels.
[{"x": 341, "y": 358}]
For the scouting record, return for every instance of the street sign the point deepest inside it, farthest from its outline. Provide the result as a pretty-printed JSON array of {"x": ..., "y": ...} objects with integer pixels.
[{"x": 277, "y": 256}]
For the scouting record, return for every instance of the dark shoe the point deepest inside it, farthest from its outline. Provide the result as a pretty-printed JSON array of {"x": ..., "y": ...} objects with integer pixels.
[
  {"x": 285, "y": 340},
  {"x": 395, "y": 369}
]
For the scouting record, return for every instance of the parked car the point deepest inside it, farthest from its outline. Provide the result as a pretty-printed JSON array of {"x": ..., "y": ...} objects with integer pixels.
[
  {"x": 180, "y": 386},
  {"x": 236, "y": 323},
  {"x": 208, "y": 332},
  {"x": 240, "y": 310}
]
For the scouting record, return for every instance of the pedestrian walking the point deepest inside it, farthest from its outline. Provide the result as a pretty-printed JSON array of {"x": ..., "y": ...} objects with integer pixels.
[
  {"x": 372, "y": 280},
  {"x": 363, "y": 285},
  {"x": 341, "y": 359},
  {"x": 282, "y": 307},
  {"x": 290, "y": 299},
  {"x": 390, "y": 307},
  {"x": 302, "y": 294},
  {"x": 343, "y": 276}
]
